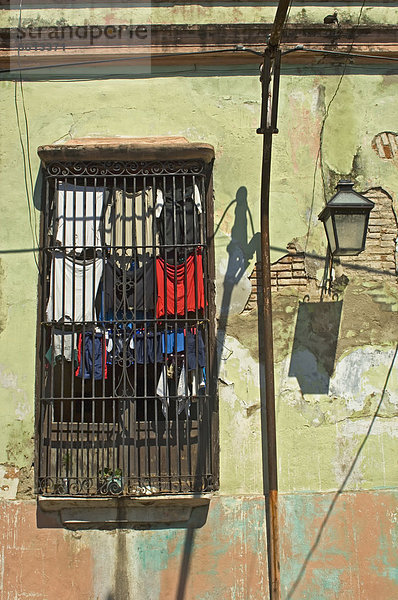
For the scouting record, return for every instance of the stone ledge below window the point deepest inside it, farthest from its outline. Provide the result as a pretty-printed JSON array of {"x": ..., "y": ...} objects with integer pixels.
[
  {"x": 167, "y": 148},
  {"x": 126, "y": 512}
]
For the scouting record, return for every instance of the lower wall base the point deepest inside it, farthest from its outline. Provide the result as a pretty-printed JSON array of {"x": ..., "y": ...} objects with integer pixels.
[
  {"x": 339, "y": 546},
  {"x": 331, "y": 547}
]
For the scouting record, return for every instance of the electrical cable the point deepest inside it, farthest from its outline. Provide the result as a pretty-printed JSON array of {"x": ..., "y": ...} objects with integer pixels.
[
  {"x": 26, "y": 154},
  {"x": 149, "y": 56},
  {"x": 319, "y": 157},
  {"x": 287, "y": 19},
  {"x": 249, "y": 69},
  {"x": 237, "y": 48},
  {"x": 333, "y": 98},
  {"x": 300, "y": 48}
]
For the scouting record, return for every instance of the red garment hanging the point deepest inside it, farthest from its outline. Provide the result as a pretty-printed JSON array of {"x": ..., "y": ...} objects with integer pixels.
[{"x": 184, "y": 275}]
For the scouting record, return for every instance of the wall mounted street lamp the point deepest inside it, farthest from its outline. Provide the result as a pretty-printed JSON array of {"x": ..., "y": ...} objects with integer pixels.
[{"x": 346, "y": 218}]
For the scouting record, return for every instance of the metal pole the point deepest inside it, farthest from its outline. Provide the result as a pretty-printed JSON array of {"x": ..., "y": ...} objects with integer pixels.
[
  {"x": 267, "y": 359},
  {"x": 279, "y": 22},
  {"x": 267, "y": 129}
]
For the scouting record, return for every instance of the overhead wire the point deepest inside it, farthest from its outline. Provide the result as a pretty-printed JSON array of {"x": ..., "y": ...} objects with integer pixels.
[
  {"x": 326, "y": 115},
  {"x": 236, "y": 48},
  {"x": 27, "y": 165},
  {"x": 319, "y": 157},
  {"x": 287, "y": 19},
  {"x": 297, "y": 291},
  {"x": 149, "y": 56}
]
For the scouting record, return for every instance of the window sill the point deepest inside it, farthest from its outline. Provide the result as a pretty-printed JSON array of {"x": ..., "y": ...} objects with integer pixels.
[{"x": 143, "y": 512}]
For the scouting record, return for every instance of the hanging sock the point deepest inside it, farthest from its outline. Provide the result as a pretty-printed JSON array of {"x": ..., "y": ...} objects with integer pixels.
[
  {"x": 162, "y": 391},
  {"x": 182, "y": 398}
]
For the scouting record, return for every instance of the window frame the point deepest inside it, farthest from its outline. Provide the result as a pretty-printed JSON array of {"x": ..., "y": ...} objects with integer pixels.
[{"x": 100, "y": 166}]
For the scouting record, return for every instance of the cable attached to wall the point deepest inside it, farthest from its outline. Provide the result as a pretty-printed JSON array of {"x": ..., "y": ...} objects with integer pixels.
[
  {"x": 27, "y": 164},
  {"x": 327, "y": 111},
  {"x": 319, "y": 158}
]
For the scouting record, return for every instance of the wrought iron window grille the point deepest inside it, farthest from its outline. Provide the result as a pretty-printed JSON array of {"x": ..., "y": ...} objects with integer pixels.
[{"x": 125, "y": 393}]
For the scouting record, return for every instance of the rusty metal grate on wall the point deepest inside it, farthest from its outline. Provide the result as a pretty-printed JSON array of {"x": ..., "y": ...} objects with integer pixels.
[{"x": 125, "y": 398}]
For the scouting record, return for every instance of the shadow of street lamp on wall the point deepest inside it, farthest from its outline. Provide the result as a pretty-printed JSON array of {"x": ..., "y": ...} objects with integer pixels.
[{"x": 345, "y": 218}]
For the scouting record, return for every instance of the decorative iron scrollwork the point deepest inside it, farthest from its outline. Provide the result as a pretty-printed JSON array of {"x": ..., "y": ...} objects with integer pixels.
[
  {"x": 66, "y": 486},
  {"x": 118, "y": 485},
  {"x": 124, "y": 168}
]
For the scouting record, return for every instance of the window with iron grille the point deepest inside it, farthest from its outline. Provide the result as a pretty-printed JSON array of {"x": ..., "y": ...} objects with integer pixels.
[{"x": 125, "y": 394}]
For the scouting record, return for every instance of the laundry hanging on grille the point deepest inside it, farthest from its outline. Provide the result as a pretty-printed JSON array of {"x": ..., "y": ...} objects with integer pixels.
[
  {"x": 91, "y": 356},
  {"x": 73, "y": 287},
  {"x": 177, "y": 193},
  {"x": 186, "y": 280},
  {"x": 141, "y": 346},
  {"x": 79, "y": 211},
  {"x": 127, "y": 347},
  {"x": 196, "y": 362},
  {"x": 178, "y": 221},
  {"x": 172, "y": 385},
  {"x": 127, "y": 290},
  {"x": 183, "y": 375},
  {"x": 63, "y": 346},
  {"x": 173, "y": 341},
  {"x": 117, "y": 345},
  {"x": 195, "y": 350},
  {"x": 128, "y": 226},
  {"x": 190, "y": 342}
]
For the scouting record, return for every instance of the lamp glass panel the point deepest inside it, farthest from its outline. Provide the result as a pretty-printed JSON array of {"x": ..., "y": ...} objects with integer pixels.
[
  {"x": 330, "y": 233},
  {"x": 350, "y": 229}
]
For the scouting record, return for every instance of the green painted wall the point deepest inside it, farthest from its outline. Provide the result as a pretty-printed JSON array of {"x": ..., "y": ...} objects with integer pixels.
[{"x": 223, "y": 111}]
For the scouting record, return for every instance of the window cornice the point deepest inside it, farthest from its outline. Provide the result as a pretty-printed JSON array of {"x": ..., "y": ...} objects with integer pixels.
[{"x": 126, "y": 149}]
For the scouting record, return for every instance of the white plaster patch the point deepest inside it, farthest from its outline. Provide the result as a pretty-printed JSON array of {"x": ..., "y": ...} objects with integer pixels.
[
  {"x": 393, "y": 516},
  {"x": 351, "y": 378},
  {"x": 315, "y": 101},
  {"x": 350, "y": 437},
  {"x": 356, "y": 385},
  {"x": 237, "y": 366},
  {"x": 222, "y": 266},
  {"x": 8, "y": 483},
  {"x": 103, "y": 550},
  {"x": 358, "y": 429},
  {"x": 299, "y": 96},
  {"x": 9, "y": 380}
]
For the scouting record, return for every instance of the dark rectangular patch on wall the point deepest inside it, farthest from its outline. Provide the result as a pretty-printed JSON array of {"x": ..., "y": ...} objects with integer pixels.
[{"x": 314, "y": 347}]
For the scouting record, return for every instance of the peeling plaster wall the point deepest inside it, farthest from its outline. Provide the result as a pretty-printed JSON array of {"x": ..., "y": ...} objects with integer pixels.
[
  {"x": 207, "y": 11},
  {"x": 337, "y": 430}
]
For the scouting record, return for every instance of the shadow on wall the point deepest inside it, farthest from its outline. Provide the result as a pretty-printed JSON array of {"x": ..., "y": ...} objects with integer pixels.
[
  {"x": 240, "y": 252},
  {"x": 38, "y": 190},
  {"x": 314, "y": 346}
]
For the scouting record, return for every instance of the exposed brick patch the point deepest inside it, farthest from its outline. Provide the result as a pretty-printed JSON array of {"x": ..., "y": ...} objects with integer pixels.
[
  {"x": 377, "y": 260},
  {"x": 379, "y": 257},
  {"x": 287, "y": 271},
  {"x": 386, "y": 144}
]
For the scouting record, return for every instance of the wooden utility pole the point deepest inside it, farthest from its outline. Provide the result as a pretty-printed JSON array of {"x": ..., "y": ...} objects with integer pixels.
[{"x": 269, "y": 109}]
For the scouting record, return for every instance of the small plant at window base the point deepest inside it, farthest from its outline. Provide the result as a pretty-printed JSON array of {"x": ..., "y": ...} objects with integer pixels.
[
  {"x": 67, "y": 465},
  {"x": 67, "y": 462},
  {"x": 110, "y": 482}
]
